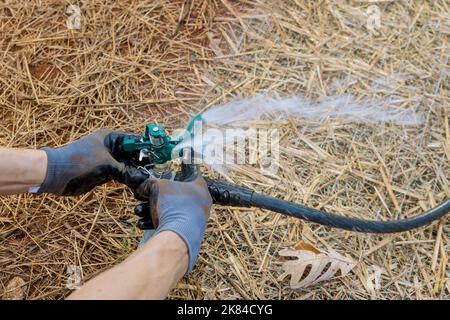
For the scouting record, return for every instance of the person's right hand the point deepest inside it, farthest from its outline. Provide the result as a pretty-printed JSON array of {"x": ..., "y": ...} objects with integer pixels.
[{"x": 181, "y": 206}]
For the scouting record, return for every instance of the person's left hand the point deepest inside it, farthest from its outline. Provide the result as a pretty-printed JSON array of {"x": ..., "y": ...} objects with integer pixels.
[
  {"x": 182, "y": 206},
  {"x": 88, "y": 162}
]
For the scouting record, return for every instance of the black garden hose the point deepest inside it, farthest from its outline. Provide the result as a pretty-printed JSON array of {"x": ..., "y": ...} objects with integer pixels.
[{"x": 228, "y": 194}]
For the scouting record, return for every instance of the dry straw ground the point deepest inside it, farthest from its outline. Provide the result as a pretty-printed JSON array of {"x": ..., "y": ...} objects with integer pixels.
[{"x": 133, "y": 61}]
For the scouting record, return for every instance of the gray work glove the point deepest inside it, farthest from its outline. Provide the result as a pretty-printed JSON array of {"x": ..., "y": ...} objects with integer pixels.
[
  {"x": 95, "y": 159},
  {"x": 181, "y": 206}
]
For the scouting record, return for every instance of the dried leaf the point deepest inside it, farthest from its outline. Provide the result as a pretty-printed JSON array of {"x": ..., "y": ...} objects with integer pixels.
[
  {"x": 322, "y": 265},
  {"x": 15, "y": 290}
]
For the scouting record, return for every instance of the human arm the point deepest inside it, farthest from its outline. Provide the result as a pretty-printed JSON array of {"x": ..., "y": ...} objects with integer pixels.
[
  {"x": 69, "y": 170},
  {"x": 21, "y": 169},
  {"x": 149, "y": 273},
  {"x": 180, "y": 210}
]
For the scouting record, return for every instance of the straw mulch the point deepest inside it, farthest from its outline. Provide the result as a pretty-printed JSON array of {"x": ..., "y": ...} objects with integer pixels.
[{"x": 138, "y": 61}]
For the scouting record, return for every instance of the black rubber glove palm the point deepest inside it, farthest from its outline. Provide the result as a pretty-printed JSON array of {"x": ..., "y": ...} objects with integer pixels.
[{"x": 88, "y": 162}]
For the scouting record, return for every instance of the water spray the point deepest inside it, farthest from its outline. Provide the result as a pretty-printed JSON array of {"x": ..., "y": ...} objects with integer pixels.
[{"x": 157, "y": 150}]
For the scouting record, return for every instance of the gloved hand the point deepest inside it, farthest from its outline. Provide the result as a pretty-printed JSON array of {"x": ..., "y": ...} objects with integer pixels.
[
  {"x": 88, "y": 162},
  {"x": 182, "y": 206}
]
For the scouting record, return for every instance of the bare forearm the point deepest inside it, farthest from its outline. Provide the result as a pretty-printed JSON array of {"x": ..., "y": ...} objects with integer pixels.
[
  {"x": 21, "y": 169},
  {"x": 149, "y": 273}
]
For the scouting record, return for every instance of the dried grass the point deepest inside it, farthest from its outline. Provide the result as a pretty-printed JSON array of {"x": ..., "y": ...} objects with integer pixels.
[{"x": 165, "y": 60}]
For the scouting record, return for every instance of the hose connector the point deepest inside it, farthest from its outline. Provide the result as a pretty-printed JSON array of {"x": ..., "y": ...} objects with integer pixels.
[{"x": 228, "y": 194}]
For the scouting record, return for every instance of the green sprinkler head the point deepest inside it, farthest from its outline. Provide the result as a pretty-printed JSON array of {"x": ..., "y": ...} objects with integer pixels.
[{"x": 156, "y": 145}]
